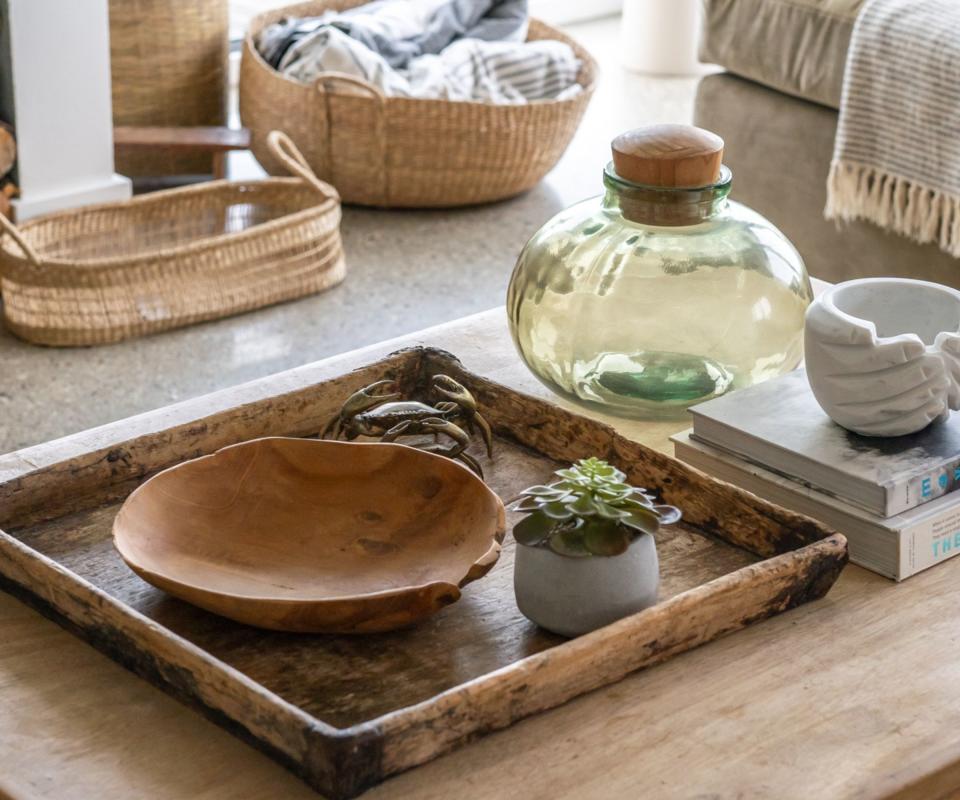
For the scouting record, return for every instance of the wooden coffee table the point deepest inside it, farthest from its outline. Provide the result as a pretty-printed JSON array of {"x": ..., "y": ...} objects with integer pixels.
[{"x": 857, "y": 695}]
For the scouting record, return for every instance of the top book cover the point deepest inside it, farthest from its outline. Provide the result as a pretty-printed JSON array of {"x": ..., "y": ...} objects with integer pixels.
[{"x": 780, "y": 426}]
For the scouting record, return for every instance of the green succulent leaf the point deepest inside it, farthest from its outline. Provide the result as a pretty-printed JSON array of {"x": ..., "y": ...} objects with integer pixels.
[
  {"x": 668, "y": 514},
  {"x": 644, "y": 520},
  {"x": 527, "y": 504},
  {"x": 556, "y": 510},
  {"x": 533, "y": 529},
  {"x": 541, "y": 491},
  {"x": 608, "y": 511},
  {"x": 583, "y": 506},
  {"x": 610, "y": 473},
  {"x": 635, "y": 502},
  {"x": 589, "y": 510},
  {"x": 574, "y": 477},
  {"x": 595, "y": 465},
  {"x": 614, "y": 493},
  {"x": 568, "y": 542},
  {"x": 605, "y": 538}
]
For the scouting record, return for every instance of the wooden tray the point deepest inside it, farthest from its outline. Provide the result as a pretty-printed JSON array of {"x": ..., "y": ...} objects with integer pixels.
[{"x": 346, "y": 712}]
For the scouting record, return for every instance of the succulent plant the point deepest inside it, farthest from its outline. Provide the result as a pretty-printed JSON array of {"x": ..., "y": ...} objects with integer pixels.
[{"x": 590, "y": 511}]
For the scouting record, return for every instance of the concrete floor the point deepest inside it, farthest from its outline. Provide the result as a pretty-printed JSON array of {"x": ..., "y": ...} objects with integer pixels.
[{"x": 407, "y": 270}]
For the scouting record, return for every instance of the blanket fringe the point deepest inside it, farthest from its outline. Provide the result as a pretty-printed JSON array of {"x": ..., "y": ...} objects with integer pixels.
[{"x": 861, "y": 192}]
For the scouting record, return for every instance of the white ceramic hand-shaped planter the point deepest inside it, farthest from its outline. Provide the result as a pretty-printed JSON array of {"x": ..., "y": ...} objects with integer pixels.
[{"x": 883, "y": 354}]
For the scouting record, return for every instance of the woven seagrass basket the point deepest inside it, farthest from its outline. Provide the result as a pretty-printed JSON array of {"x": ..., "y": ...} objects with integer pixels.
[
  {"x": 168, "y": 61},
  {"x": 403, "y": 152},
  {"x": 113, "y": 271}
]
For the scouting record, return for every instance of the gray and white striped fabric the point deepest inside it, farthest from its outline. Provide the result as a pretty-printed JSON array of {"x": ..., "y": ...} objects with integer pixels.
[
  {"x": 896, "y": 159},
  {"x": 467, "y": 68}
]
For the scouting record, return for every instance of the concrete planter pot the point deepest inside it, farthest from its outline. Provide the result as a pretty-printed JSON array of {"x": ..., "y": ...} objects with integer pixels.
[
  {"x": 883, "y": 354},
  {"x": 573, "y": 596}
]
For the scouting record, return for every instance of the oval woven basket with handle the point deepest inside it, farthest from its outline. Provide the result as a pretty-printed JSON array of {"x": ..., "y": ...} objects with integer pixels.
[
  {"x": 109, "y": 272},
  {"x": 407, "y": 152}
]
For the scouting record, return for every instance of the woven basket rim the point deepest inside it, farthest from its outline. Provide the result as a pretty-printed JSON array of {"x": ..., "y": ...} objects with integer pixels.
[
  {"x": 67, "y": 336},
  {"x": 127, "y": 261},
  {"x": 589, "y": 66}
]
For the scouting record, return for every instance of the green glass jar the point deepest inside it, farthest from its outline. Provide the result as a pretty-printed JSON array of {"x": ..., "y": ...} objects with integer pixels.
[{"x": 656, "y": 296}]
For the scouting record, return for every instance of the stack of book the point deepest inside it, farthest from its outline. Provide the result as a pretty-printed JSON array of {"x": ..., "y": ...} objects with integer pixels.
[{"x": 892, "y": 498}]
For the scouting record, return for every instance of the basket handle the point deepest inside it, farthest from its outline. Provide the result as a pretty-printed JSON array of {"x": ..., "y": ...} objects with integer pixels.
[
  {"x": 325, "y": 84},
  {"x": 351, "y": 80},
  {"x": 289, "y": 155},
  {"x": 23, "y": 244}
]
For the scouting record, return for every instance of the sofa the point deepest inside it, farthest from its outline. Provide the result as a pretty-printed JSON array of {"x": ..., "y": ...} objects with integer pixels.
[{"x": 776, "y": 106}]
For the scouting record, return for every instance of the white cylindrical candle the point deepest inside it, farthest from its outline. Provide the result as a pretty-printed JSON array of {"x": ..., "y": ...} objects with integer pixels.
[{"x": 660, "y": 37}]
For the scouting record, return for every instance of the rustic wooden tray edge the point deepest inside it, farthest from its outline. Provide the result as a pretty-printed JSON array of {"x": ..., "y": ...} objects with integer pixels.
[
  {"x": 172, "y": 664},
  {"x": 803, "y": 560}
]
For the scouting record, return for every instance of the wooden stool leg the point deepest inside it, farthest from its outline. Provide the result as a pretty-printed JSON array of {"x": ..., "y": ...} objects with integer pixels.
[{"x": 219, "y": 165}]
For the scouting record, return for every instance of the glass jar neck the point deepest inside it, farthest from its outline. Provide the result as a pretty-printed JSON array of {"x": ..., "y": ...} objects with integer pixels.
[{"x": 655, "y": 205}]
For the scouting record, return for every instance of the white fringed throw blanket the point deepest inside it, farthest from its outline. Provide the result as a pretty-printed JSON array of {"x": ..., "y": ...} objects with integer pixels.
[{"x": 896, "y": 160}]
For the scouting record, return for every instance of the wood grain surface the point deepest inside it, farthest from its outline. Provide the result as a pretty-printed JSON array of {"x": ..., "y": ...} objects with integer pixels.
[
  {"x": 210, "y": 139},
  {"x": 349, "y": 682},
  {"x": 313, "y": 536},
  {"x": 668, "y": 156},
  {"x": 854, "y": 696}
]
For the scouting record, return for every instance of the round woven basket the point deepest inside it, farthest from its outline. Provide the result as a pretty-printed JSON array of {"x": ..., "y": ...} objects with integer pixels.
[
  {"x": 109, "y": 272},
  {"x": 403, "y": 152}
]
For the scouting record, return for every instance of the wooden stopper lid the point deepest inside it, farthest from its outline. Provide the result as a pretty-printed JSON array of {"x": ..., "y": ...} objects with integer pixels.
[{"x": 671, "y": 156}]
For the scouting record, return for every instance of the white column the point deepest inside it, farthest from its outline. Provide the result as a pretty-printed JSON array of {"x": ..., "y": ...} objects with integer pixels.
[{"x": 60, "y": 60}]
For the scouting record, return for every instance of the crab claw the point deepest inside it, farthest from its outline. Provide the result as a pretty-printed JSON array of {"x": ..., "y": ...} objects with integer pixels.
[
  {"x": 362, "y": 400},
  {"x": 447, "y": 387},
  {"x": 368, "y": 398},
  {"x": 486, "y": 432},
  {"x": 332, "y": 429},
  {"x": 455, "y": 451},
  {"x": 456, "y": 392},
  {"x": 471, "y": 462},
  {"x": 435, "y": 425}
]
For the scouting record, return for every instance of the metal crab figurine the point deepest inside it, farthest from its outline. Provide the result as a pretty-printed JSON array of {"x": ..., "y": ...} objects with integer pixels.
[{"x": 377, "y": 410}]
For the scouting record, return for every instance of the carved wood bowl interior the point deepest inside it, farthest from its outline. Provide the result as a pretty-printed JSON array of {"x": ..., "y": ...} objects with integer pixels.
[{"x": 313, "y": 536}]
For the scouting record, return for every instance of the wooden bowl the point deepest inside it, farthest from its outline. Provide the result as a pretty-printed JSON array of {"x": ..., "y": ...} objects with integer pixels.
[{"x": 313, "y": 536}]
